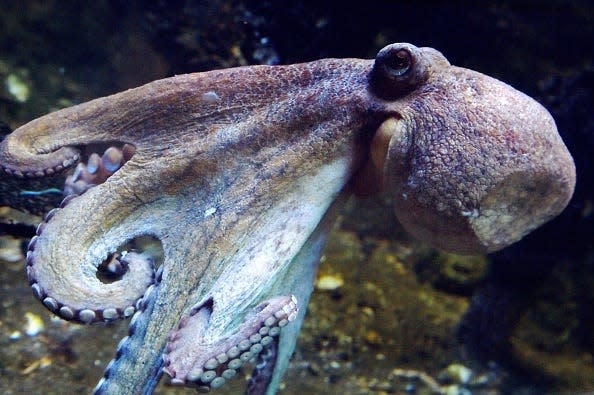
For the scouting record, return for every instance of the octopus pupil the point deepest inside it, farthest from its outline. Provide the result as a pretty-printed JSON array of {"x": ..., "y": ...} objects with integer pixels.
[{"x": 399, "y": 63}]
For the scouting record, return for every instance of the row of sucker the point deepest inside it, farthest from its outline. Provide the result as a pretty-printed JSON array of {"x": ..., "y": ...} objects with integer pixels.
[
  {"x": 256, "y": 334},
  {"x": 262, "y": 373},
  {"x": 96, "y": 171},
  {"x": 50, "y": 171},
  {"x": 122, "y": 347},
  {"x": 85, "y": 316}
]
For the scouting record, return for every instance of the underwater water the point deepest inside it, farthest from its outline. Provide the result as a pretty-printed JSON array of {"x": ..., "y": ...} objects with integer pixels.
[{"x": 386, "y": 311}]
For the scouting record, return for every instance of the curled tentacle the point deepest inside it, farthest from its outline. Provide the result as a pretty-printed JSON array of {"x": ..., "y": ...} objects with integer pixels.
[
  {"x": 139, "y": 268},
  {"x": 75, "y": 307},
  {"x": 194, "y": 359},
  {"x": 31, "y": 157},
  {"x": 39, "y": 149}
]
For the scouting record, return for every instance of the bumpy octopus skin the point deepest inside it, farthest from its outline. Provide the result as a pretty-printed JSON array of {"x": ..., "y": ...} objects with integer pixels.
[{"x": 238, "y": 174}]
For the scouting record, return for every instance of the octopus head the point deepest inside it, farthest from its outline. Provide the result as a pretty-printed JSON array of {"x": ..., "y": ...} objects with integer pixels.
[{"x": 472, "y": 164}]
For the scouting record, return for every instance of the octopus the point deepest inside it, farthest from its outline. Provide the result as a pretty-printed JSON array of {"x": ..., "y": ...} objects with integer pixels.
[{"x": 236, "y": 176}]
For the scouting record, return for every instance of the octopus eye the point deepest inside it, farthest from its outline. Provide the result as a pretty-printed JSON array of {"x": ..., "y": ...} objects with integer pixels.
[
  {"x": 398, "y": 69},
  {"x": 396, "y": 62}
]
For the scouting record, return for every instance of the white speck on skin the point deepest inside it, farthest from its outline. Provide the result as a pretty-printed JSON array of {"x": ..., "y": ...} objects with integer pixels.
[
  {"x": 209, "y": 211},
  {"x": 210, "y": 97}
]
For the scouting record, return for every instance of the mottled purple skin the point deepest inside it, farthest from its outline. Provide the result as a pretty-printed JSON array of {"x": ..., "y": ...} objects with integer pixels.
[{"x": 235, "y": 173}]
